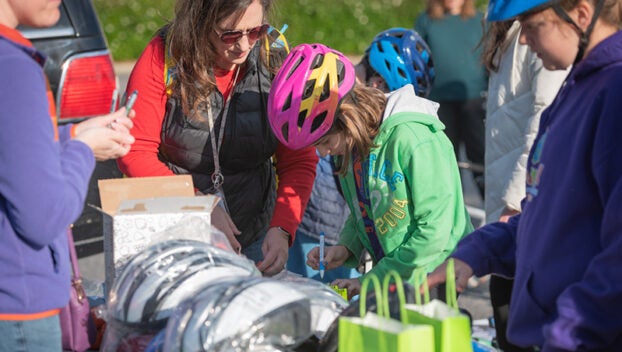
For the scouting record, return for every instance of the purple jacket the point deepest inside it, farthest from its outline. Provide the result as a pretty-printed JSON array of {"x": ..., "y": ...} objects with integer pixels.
[
  {"x": 565, "y": 249},
  {"x": 43, "y": 184}
]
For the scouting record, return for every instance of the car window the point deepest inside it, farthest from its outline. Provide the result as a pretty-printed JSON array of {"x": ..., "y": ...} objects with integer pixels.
[{"x": 63, "y": 28}]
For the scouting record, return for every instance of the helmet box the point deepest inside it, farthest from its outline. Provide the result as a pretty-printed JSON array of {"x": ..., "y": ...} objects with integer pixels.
[{"x": 137, "y": 210}]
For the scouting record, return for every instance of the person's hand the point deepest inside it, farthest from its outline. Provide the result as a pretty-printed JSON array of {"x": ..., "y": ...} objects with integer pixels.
[
  {"x": 507, "y": 213},
  {"x": 352, "y": 285},
  {"x": 108, "y": 136},
  {"x": 221, "y": 220},
  {"x": 463, "y": 273},
  {"x": 117, "y": 121},
  {"x": 274, "y": 248},
  {"x": 334, "y": 257}
]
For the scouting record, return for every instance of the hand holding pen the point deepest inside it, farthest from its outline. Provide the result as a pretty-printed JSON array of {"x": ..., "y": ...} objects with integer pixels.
[
  {"x": 108, "y": 136},
  {"x": 332, "y": 257}
]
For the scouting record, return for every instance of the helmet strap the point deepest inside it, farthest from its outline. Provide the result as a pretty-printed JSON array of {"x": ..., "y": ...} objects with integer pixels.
[{"x": 584, "y": 37}]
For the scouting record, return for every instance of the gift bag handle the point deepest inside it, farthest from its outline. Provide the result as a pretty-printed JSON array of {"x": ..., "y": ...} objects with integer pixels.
[
  {"x": 450, "y": 285},
  {"x": 363, "y": 295},
  {"x": 400, "y": 294},
  {"x": 420, "y": 279}
]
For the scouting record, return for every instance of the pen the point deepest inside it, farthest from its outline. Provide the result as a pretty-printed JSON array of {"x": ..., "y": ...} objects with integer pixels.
[
  {"x": 130, "y": 101},
  {"x": 322, "y": 254},
  {"x": 115, "y": 96}
]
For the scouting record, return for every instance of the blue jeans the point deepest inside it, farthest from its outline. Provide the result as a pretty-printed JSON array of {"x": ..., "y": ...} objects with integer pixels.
[
  {"x": 297, "y": 261},
  {"x": 253, "y": 251},
  {"x": 40, "y": 335}
]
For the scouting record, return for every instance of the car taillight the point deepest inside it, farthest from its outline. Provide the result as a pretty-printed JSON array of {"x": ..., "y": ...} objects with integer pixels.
[{"x": 86, "y": 87}]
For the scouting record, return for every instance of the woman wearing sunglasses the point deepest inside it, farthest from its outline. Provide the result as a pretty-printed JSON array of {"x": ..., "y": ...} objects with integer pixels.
[{"x": 203, "y": 83}]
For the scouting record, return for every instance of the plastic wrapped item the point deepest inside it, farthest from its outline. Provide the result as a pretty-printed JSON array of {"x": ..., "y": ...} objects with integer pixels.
[
  {"x": 194, "y": 227},
  {"x": 155, "y": 345},
  {"x": 249, "y": 314},
  {"x": 154, "y": 282},
  {"x": 326, "y": 304}
]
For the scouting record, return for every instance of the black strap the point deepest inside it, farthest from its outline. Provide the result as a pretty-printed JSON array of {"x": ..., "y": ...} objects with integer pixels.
[
  {"x": 584, "y": 37},
  {"x": 333, "y": 168}
]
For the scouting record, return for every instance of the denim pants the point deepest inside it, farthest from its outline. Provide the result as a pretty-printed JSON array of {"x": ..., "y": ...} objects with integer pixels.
[{"x": 40, "y": 335}]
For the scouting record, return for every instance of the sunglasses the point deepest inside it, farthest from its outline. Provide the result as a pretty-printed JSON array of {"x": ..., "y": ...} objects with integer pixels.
[{"x": 231, "y": 37}]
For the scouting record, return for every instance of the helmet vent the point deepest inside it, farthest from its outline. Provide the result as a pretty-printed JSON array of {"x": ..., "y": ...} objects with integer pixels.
[
  {"x": 294, "y": 67},
  {"x": 318, "y": 60},
  {"x": 341, "y": 69},
  {"x": 309, "y": 85},
  {"x": 325, "y": 90},
  {"x": 284, "y": 131},
  {"x": 402, "y": 73},
  {"x": 301, "y": 118},
  {"x": 288, "y": 102},
  {"x": 318, "y": 121},
  {"x": 380, "y": 48}
]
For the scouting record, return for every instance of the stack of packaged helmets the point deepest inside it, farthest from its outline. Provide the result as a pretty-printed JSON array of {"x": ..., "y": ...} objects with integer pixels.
[
  {"x": 153, "y": 283},
  {"x": 253, "y": 314}
]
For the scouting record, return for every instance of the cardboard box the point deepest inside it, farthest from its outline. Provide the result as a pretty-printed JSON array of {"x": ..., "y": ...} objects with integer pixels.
[{"x": 137, "y": 210}]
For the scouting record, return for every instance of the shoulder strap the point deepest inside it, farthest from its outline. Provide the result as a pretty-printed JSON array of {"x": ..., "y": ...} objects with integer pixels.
[
  {"x": 73, "y": 255},
  {"x": 169, "y": 62},
  {"x": 363, "y": 198}
]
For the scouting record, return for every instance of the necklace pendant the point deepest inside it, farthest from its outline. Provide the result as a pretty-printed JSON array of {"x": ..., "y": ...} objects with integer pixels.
[{"x": 217, "y": 179}]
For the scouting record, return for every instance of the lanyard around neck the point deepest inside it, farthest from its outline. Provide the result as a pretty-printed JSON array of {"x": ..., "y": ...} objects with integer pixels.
[{"x": 217, "y": 177}]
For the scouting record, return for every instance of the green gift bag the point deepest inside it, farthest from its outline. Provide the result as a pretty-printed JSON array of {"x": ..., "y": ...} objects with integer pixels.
[
  {"x": 378, "y": 332},
  {"x": 452, "y": 329}
]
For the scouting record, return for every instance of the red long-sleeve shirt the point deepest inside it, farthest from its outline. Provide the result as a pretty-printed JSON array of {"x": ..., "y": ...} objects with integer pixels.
[{"x": 295, "y": 169}]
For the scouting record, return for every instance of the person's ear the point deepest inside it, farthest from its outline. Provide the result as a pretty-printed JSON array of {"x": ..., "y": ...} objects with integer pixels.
[{"x": 584, "y": 12}]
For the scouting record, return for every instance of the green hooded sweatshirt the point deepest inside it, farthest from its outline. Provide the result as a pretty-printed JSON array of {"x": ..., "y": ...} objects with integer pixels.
[{"x": 413, "y": 183}]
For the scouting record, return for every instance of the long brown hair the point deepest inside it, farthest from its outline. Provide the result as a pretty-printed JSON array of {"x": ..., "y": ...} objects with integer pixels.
[
  {"x": 436, "y": 9},
  {"x": 191, "y": 50},
  {"x": 492, "y": 41},
  {"x": 358, "y": 118}
]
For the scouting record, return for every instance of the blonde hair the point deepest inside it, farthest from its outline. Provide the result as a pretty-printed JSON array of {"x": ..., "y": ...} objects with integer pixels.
[
  {"x": 358, "y": 119},
  {"x": 436, "y": 9}
]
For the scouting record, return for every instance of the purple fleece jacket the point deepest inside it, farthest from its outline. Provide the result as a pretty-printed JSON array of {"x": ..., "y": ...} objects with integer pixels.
[
  {"x": 43, "y": 184},
  {"x": 565, "y": 249}
]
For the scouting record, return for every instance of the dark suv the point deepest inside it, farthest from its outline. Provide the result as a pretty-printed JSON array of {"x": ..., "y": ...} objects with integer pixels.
[{"x": 81, "y": 74}]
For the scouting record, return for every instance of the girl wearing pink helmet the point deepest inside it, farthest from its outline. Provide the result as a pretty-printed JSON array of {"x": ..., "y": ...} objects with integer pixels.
[{"x": 397, "y": 168}]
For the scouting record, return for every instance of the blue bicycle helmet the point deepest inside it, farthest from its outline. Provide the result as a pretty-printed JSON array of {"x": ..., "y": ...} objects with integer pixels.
[
  {"x": 500, "y": 10},
  {"x": 402, "y": 57}
]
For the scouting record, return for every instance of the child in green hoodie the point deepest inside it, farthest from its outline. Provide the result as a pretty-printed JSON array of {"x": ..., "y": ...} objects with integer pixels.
[{"x": 397, "y": 168}]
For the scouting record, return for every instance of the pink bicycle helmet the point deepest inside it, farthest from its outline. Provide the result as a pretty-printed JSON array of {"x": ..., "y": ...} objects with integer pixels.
[{"x": 306, "y": 92}]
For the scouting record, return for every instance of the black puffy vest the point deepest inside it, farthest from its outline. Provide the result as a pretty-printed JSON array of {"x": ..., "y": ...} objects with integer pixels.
[{"x": 245, "y": 154}]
